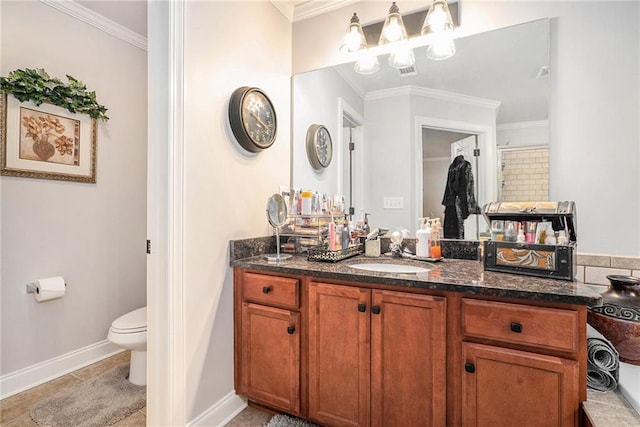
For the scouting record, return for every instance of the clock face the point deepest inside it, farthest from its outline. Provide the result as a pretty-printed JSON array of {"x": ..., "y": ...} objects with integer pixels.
[
  {"x": 252, "y": 118},
  {"x": 258, "y": 118},
  {"x": 324, "y": 147},
  {"x": 319, "y": 146}
]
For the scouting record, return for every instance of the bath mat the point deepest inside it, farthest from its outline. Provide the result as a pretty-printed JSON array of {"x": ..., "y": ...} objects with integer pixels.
[
  {"x": 282, "y": 420},
  {"x": 102, "y": 401}
]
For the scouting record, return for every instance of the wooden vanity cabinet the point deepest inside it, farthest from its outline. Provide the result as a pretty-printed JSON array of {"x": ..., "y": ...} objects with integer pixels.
[
  {"x": 268, "y": 335},
  {"x": 376, "y": 357},
  {"x": 352, "y": 354},
  {"x": 524, "y": 368}
]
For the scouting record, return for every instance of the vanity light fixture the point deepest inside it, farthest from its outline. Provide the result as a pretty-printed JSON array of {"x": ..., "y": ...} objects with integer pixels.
[
  {"x": 367, "y": 64},
  {"x": 439, "y": 24},
  {"x": 354, "y": 40},
  {"x": 394, "y": 31},
  {"x": 436, "y": 28}
]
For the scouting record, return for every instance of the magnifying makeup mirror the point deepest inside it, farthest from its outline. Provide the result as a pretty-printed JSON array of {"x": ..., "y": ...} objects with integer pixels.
[{"x": 277, "y": 216}]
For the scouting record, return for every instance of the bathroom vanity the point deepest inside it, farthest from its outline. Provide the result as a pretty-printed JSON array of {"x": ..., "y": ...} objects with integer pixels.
[{"x": 455, "y": 345}]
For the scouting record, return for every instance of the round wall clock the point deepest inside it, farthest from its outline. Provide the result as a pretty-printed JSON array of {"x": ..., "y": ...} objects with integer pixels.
[
  {"x": 319, "y": 146},
  {"x": 252, "y": 118}
]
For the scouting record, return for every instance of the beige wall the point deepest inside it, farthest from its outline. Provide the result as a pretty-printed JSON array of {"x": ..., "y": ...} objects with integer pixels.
[
  {"x": 92, "y": 234},
  {"x": 226, "y": 189}
]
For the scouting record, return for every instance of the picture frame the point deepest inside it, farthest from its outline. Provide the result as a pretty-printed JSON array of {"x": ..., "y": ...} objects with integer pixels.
[{"x": 46, "y": 142}]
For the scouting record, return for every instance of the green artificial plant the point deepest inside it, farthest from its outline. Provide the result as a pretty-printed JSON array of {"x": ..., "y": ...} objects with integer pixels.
[{"x": 37, "y": 86}]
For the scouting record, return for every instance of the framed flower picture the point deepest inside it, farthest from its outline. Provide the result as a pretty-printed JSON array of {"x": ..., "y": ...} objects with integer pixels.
[{"x": 46, "y": 141}]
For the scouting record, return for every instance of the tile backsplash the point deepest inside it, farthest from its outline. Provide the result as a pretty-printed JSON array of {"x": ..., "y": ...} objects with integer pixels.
[{"x": 593, "y": 269}]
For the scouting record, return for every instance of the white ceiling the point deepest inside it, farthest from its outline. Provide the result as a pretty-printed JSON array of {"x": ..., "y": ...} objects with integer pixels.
[{"x": 131, "y": 14}]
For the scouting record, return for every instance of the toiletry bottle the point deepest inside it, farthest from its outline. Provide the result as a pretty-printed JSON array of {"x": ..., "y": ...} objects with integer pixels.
[
  {"x": 436, "y": 250},
  {"x": 332, "y": 235},
  {"x": 338, "y": 237},
  {"x": 423, "y": 238},
  {"x": 366, "y": 227},
  {"x": 346, "y": 234},
  {"x": 307, "y": 198},
  {"x": 562, "y": 238},
  {"x": 530, "y": 234},
  {"x": 521, "y": 237},
  {"x": 509, "y": 231}
]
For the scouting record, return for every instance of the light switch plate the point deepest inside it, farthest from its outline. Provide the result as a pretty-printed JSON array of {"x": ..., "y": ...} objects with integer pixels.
[{"x": 393, "y": 203}]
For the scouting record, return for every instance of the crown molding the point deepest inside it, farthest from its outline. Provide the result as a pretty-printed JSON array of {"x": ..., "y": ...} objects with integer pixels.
[
  {"x": 314, "y": 8},
  {"x": 98, "y": 21},
  {"x": 435, "y": 94},
  {"x": 308, "y": 9},
  {"x": 534, "y": 124}
]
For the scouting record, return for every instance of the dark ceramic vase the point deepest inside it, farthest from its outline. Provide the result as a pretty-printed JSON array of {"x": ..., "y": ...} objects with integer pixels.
[{"x": 618, "y": 318}]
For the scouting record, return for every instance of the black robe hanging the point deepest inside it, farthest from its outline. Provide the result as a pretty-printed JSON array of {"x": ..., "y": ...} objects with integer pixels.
[{"x": 459, "y": 200}]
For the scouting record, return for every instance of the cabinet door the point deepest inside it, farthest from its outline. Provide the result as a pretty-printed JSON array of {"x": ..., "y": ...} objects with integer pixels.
[
  {"x": 408, "y": 345},
  {"x": 271, "y": 356},
  {"x": 503, "y": 387},
  {"x": 339, "y": 350}
]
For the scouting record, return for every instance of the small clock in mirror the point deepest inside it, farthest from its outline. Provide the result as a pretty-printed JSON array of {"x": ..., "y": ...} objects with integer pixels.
[
  {"x": 252, "y": 118},
  {"x": 319, "y": 146}
]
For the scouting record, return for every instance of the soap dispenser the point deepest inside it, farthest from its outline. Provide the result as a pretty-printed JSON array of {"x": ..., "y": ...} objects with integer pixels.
[
  {"x": 423, "y": 238},
  {"x": 366, "y": 227}
]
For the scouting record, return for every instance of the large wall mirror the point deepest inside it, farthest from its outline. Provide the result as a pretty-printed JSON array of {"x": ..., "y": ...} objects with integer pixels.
[{"x": 407, "y": 127}]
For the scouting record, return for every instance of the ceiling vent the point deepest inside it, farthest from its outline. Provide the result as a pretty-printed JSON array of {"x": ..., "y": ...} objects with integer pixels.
[
  {"x": 543, "y": 72},
  {"x": 408, "y": 71}
]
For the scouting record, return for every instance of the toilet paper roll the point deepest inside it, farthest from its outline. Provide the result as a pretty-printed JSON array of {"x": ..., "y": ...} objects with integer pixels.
[{"x": 49, "y": 288}]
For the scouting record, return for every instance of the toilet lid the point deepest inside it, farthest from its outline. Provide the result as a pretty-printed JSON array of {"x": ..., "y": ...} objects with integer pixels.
[{"x": 135, "y": 321}]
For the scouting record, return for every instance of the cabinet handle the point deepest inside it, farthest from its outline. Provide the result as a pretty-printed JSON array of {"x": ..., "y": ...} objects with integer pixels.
[
  {"x": 469, "y": 367},
  {"x": 375, "y": 309},
  {"x": 266, "y": 289},
  {"x": 516, "y": 327},
  {"x": 362, "y": 308},
  {"x": 291, "y": 329}
]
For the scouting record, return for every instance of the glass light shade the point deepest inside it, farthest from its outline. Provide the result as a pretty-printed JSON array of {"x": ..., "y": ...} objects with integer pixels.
[
  {"x": 443, "y": 48},
  {"x": 354, "y": 40},
  {"x": 393, "y": 29},
  {"x": 367, "y": 64},
  {"x": 402, "y": 56},
  {"x": 438, "y": 18}
]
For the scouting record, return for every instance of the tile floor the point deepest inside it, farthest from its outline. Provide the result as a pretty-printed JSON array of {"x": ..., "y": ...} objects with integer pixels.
[{"x": 14, "y": 410}]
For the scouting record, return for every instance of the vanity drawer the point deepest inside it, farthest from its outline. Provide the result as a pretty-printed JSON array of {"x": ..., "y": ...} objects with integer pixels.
[
  {"x": 271, "y": 290},
  {"x": 547, "y": 328}
]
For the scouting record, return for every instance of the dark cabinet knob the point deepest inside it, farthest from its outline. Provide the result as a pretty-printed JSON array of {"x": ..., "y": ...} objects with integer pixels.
[
  {"x": 469, "y": 367},
  {"x": 375, "y": 309},
  {"x": 291, "y": 329},
  {"x": 266, "y": 289},
  {"x": 516, "y": 327},
  {"x": 362, "y": 308}
]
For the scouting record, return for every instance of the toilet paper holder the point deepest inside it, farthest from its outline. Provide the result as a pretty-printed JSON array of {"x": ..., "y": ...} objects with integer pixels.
[{"x": 33, "y": 289}]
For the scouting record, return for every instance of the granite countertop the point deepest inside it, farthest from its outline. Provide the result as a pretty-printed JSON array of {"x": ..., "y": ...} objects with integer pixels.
[
  {"x": 458, "y": 275},
  {"x": 606, "y": 409}
]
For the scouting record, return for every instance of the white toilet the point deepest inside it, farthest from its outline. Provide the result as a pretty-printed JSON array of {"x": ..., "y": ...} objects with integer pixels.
[{"x": 129, "y": 331}]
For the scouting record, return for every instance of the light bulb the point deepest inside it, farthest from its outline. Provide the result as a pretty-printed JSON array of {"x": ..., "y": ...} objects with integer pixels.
[
  {"x": 367, "y": 64},
  {"x": 393, "y": 29},
  {"x": 354, "y": 40}
]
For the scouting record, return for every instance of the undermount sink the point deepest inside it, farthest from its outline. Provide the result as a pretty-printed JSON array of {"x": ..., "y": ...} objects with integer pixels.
[{"x": 390, "y": 268}]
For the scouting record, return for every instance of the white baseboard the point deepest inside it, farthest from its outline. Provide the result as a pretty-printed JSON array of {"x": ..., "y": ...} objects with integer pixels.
[
  {"x": 31, "y": 376},
  {"x": 221, "y": 412}
]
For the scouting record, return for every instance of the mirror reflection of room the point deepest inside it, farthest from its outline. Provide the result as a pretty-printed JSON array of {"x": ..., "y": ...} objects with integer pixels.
[{"x": 496, "y": 87}]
